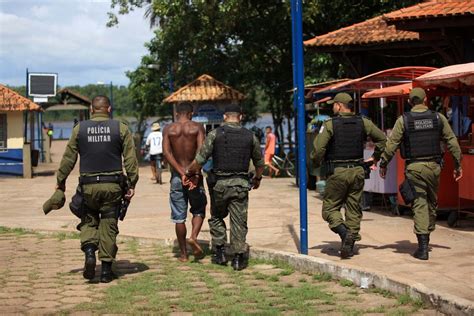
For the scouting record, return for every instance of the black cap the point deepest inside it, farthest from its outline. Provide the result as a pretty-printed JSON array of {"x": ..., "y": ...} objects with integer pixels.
[{"x": 232, "y": 108}]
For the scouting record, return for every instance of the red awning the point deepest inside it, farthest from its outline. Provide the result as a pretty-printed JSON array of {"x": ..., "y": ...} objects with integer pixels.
[
  {"x": 392, "y": 91},
  {"x": 456, "y": 77},
  {"x": 388, "y": 77}
]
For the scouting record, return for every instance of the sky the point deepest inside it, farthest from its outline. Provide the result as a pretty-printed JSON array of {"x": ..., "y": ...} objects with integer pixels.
[{"x": 70, "y": 38}]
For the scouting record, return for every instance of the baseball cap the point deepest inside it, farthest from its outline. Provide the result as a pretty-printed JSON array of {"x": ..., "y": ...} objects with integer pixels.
[
  {"x": 55, "y": 202},
  {"x": 232, "y": 108},
  {"x": 341, "y": 97},
  {"x": 417, "y": 95},
  {"x": 155, "y": 126}
]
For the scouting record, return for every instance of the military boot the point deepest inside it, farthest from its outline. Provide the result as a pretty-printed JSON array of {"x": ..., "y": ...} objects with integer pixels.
[
  {"x": 422, "y": 251},
  {"x": 219, "y": 256},
  {"x": 89, "y": 263},
  {"x": 238, "y": 263},
  {"x": 106, "y": 275},
  {"x": 347, "y": 241}
]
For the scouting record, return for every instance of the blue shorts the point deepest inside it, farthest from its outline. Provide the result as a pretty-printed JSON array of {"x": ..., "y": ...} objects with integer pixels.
[{"x": 180, "y": 196}]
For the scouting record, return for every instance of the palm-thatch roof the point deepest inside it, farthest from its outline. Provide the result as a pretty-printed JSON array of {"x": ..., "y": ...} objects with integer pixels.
[
  {"x": 205, "y": 88},
  {"x": 13, "y": 101}
]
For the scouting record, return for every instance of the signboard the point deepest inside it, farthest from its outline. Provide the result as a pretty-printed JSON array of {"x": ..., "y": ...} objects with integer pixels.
[
  {"x": 209, "y": 113},
  {"x": 42, "y": 84}
]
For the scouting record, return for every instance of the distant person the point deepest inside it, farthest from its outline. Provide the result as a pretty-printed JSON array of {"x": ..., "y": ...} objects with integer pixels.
[
  {"x": 270, "y": 144},
  {"x": 154, "y": 144},
  {"x": 419, "y": 133},
  {"x": 106, "y": 148},
  {"x": 181, "y": 141},
  {"x": 231, "y": 147},
  {"x": 340, "y": 143}
]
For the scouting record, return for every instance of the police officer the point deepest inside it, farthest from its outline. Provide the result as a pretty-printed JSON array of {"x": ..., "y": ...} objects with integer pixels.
[
  {"x": 231, "y": 147},
  {"x": 340, "y": 143},
  {"x": 101, "y": 143},
  {"x": 419, "y": 132}
]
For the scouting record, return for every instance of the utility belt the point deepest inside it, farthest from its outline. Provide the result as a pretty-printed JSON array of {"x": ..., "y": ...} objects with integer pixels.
[
  {"x": 233, "y": 176},
  {"x": 78, "y": 206},
  {"x": 118, "y": 178},
  {"x": 438, "y": 160},
  {"x": 332, "y": 165}
]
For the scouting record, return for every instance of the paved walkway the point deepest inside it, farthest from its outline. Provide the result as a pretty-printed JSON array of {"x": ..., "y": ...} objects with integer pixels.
[
  {"x": 274, "y": 224},
  {"x": 42, "y": 275}
]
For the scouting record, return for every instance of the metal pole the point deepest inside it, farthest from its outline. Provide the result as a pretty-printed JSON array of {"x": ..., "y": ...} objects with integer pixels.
[
  {"x": 26, "y": 112},
  {"x": 298, "y": 71},
  {"x": 111, "y": 100}
]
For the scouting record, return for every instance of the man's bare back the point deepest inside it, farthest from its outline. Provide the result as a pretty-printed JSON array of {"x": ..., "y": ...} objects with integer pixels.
[{"x": 181, "y": 141}]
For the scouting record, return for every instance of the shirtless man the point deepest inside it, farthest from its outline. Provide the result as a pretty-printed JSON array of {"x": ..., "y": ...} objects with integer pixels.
[{"x": 181, "y": 141}]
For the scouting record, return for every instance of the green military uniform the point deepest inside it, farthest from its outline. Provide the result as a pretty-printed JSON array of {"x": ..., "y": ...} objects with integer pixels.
[
  {"x": 100, "y": 199},
  {"x": 230, "y": 194},
  {"x": 423, "y": 174},
  {"x": 345, "y": 185}
]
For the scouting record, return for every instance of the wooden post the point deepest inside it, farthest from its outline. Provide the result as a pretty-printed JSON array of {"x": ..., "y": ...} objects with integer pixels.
[
  {"x": 46, "y": 146},
  {"x": 27, "y": 168}
]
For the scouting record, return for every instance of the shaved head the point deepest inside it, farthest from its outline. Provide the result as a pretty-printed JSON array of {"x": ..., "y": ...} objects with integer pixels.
[{"x": 100, "y": 103}]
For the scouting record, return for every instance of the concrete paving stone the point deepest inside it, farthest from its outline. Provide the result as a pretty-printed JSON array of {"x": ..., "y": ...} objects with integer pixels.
[
  {"x": 12, "y": 310},
  {"x": 169, "y": 294},
  {"x": 82, "y": 313},
  {"x": 198, "y": 284},
  {"x": 76, "y": 300},
  {"x": 14, "y": 301},
  {"x": 42, "y": 311},
  {"x": 4, "y": 295},
  {"x": 180, "y": 314},
  {"x": 45, "y": 297},
  {"x": 14, "y": 283},
  {"x": 45, "y": 285},
  {"x": 43, "y": 304},
  {"x": 78, "y": 287},
  {"x": 71, "y": 293}
]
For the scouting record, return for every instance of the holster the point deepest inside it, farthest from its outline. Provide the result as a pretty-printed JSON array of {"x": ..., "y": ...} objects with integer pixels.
[
  {"x": 76, "y": 204},
  {"x": 211, "y": 179},
  {"x": 408, "y": 191}
]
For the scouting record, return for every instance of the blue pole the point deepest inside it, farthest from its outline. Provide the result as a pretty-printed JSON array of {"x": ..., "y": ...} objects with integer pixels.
[{"x": 298, "y": 74}]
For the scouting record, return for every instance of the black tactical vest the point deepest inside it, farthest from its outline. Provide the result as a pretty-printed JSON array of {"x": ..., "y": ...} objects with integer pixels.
[
  {"x": 232, "y": 149},
  {"x": 348, "y": 139},
  {"x": 100, "y": 146},
  {"x": 421, "y": 136}
]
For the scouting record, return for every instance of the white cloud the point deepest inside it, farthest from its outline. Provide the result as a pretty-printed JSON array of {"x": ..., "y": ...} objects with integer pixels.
[{"x": 70, "y": 38}]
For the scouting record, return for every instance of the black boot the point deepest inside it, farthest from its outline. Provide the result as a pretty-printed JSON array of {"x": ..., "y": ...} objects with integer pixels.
[
  {"x": 89, "y": 263},
  {"x": 219, "y": 256},
  {"x": 238, "y": 263},
  {"x": 347, "y": 241},
  {"x": 106, "y": 275},
  {"x": 423, "y": 242}
]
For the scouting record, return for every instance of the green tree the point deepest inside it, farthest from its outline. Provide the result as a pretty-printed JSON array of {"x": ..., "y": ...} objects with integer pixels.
[{"x": 244, "y": 43}]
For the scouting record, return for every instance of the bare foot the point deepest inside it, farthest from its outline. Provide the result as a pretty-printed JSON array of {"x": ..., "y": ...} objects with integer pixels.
[
  {"x": 183, "y": 259},
  {"x": 197, "y": 250}
]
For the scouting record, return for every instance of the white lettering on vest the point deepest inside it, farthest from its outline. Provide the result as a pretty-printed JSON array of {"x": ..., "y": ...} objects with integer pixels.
[
  {"x": 98, "y": 134},
  {"x": 423, "y": 124}
]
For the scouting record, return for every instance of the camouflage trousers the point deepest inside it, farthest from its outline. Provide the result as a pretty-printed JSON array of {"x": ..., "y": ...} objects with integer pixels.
[
  {"x": 232, "y": 201},
  {"x": 100, "y": 226},
  {"x": 344, "y": 187},
  {"x": 425, "y": 178}
]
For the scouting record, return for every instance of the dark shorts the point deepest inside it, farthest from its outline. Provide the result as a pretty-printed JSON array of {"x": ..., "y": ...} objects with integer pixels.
[
  {"x": 156, "y": 157},
  {"x": 180, "y": 197}
]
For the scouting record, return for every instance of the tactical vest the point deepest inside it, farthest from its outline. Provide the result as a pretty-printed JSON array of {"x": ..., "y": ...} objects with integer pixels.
[
  {"x": 421, "y": 136},
  {"x": 100, "y": 146},
  {"x": 232, "y": 149},
  {"x": 348, "y": 139}
]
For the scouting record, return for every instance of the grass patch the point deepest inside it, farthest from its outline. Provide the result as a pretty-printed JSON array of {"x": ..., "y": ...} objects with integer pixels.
[
  {"x": 384, "y": 293},
  {"x": 346, "y": 283},
  {"x": 67, "y": 235},
  {"x": 132, "y": 246},
  {"x": 16, "y": 231},
  {"x": 322, "y": 277}
]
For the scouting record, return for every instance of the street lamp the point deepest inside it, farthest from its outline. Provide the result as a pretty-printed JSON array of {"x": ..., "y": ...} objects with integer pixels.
[{"x": 111, "y": 96}]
